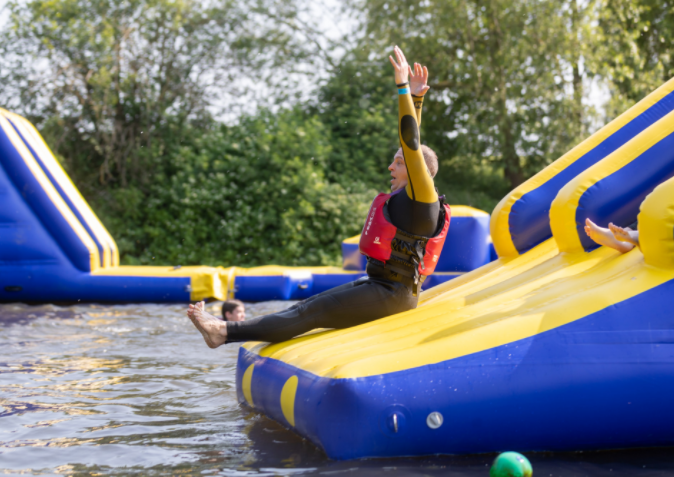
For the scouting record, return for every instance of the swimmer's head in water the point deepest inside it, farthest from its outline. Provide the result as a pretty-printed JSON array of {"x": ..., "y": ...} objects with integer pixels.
[
  {"x": 399, "y": 171},
  {"x": 233, "y": 310}
]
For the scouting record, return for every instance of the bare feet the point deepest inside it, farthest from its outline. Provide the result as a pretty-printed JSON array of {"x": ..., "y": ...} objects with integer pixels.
[
  {"x": 212, "y": 329},
  {"x": 605, "y": 237},
  {"x": 625, "y": 234}
]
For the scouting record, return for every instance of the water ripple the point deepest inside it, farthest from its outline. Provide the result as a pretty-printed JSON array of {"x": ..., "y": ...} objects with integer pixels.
[{"x": 132, "y": 390}]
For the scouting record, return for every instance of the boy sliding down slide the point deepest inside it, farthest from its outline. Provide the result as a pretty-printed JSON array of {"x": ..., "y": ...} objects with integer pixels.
[
  {"x": 402, "y": 238},
  {"x": 619, "y": 238}
]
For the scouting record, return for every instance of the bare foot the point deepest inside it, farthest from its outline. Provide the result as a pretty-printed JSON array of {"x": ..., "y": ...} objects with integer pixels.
[
  {"x": 625, "y": 234},
  {"x": 605, "y": 237},
  {"x": 212, "y": 329}
]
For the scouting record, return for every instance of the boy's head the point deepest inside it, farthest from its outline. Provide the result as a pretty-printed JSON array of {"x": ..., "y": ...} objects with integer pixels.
[
  {"x": 399, "y": 169},
  {"x": 233, "y": 310}
]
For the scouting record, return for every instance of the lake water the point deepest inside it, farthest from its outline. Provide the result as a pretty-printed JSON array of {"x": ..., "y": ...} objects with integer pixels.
[{"x": 133, "y": 390}]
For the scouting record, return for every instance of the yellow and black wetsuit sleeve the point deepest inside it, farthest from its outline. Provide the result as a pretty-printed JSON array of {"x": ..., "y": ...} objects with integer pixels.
[
  {"x": 418, "y": 104},
  {"x": 420, "y": 187}
]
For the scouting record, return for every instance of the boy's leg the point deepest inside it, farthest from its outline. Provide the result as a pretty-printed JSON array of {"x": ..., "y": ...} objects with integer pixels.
[
  {"x": 342, "y": 307},
  {"x": 605, "y": 237}
]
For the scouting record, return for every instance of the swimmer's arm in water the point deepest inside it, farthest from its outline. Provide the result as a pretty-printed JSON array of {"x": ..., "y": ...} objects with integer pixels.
[
  {"x": 420, "y": 185},
  {"x": 418, "y": 87}
]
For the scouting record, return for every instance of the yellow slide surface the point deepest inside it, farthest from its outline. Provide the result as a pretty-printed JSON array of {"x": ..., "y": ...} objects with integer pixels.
[{"x": 523, "y": 294}]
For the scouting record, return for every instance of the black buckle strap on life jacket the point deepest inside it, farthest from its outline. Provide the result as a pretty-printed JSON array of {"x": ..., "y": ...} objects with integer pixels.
[
  {"x": 415, "y": 285},
  {"x": 419, "y": 247},
  {"x": 408, "y": 270}
]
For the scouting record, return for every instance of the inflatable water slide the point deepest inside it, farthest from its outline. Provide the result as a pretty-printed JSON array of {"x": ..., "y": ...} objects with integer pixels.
[
  {"x": 557, "y": 345},
  {"x": 53, "y": 247}
]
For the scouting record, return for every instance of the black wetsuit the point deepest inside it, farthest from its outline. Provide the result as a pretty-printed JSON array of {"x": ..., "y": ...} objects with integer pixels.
[{"x": 382, "y": 293}]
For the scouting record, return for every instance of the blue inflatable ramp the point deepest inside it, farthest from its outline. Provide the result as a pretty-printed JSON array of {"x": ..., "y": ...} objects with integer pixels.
[{"x": 557, "y": 345}]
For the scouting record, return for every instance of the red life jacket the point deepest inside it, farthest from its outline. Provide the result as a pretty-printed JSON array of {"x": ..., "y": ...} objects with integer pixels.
[{"x": 404, "y": 253}]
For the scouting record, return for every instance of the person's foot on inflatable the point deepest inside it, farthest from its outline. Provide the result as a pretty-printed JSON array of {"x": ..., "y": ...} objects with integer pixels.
[
  {"x": 511, "y": 464},
  {"x": 212, "y": 329},
  {"x": 605, "y": 237},
  {"x": 625, "y": 234}
]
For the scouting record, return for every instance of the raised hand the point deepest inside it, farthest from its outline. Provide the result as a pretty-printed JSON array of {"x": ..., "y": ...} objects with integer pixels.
[
  {"x": 418, "y": 80},
  {"x": 400, "y": 68}
]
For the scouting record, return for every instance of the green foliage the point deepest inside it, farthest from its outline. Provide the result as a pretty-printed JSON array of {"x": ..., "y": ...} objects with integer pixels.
[
  {"x": 506, "y": 92},
  {"x": 124, "y": 92},
  {"x": 358, "y": 105},
  {"x": 636, "y": 49},
  {"x": 252, "y": 194}
]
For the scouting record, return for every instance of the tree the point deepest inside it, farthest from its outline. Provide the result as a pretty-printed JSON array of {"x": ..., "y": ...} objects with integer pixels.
[
  {"x": 250, "y": 194},
  {"x": 113, "y": 83},
  {"x": 507, "y": 90},
  {"x": 636, "y": 51}
]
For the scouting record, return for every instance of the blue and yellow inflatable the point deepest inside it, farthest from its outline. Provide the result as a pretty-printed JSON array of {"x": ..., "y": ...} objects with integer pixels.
[
  {"x": 557, "y": 345},
  {"x": 53, "y": 248}
]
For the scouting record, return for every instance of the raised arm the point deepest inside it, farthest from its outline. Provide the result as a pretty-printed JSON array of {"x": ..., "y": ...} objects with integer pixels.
[
  {"x": 420, "y": 185},
  {"x": 418, "y": 87}
]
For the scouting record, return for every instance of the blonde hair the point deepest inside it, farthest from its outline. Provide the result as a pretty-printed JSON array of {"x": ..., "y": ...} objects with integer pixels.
[{"x": 430, "y": 158}]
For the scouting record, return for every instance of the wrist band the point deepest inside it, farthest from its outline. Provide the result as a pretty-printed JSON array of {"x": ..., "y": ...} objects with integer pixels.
[
  {"x": 418, "y": 97},
  {"x": 403, "y": 84},
  {"x": 403, "y": 90}
]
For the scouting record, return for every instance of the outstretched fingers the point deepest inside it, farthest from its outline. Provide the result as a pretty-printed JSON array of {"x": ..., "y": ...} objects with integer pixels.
[
  {"x": 393, "y": 62},
  {"x": 400, "y": 56}
]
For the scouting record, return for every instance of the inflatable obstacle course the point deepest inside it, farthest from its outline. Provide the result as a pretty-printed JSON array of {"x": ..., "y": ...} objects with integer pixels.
[
  {"x": 53, "y": 247},
  {"x": 557, "y": 345}
]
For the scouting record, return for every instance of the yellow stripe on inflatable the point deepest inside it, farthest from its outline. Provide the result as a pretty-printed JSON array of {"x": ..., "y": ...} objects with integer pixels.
[
  {"x": 246, "y": 385},
  {"x": 214, "y": 282},
  {"x": 281, "y": 270},
  {"x": 500, "y": 218},
  {"x": 563, "y": 209},
  {"x": 30, "y": 134},
  {"x": 52, "y": 193},
  {"x": 205, "y": 282},
  {"x": 656, "y": 226},
  {"x": 288, "y": 399}
]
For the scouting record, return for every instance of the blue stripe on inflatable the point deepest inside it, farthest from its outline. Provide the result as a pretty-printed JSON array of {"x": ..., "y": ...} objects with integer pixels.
[
  {"x": 23, "y": 238},
  {"x": 603, "y": 381},
  {"x": 41, "y": 205},
  {"x": 617, "y": 198},
  {"x": 61, "y": 192},
  {"x": 528, "y": 220},
  {"x": 61, "y": 282},
  {"x": 466, "y": 245}
]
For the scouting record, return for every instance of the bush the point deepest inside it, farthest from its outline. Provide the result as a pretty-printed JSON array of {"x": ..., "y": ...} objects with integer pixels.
[{"x": 252, "y": 194}]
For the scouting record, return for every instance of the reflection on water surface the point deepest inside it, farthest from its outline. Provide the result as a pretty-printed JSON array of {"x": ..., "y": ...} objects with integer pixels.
[{"x": 93, "y": 389}]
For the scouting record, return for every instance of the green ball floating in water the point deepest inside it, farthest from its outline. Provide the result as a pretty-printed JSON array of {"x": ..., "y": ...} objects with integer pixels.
[{"x": 511, "y": 464}]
